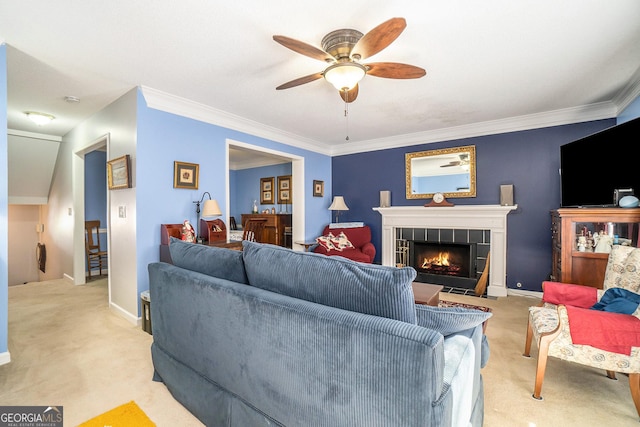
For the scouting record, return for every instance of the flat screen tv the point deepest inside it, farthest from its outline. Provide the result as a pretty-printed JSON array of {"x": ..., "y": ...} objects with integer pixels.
[{"x": 593, "y": 167}]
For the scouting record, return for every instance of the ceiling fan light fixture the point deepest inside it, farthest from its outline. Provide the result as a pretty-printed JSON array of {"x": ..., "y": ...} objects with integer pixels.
[
  {"x": 345, "y": 75},
  {"x": 39, "y": 118}
]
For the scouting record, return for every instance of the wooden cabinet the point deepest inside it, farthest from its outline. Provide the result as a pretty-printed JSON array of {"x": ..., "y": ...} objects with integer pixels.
[
  {"x": 275, "y": 224},
  {"x": 586, "y": 267}
]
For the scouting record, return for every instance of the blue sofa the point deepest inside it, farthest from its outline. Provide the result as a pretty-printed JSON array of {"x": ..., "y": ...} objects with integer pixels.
[{"x": 270, "y": 336}]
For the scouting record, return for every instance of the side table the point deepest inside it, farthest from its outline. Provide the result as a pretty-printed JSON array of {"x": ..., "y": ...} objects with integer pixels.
[
  {"x": 307, "y": 245},
  {"x": 427, "y": 294}
]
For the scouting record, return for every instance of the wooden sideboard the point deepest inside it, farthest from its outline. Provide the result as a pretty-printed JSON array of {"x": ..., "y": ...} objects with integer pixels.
[
  {"x": 571, "y": 265},
  {"x": 275, "y": 224}
]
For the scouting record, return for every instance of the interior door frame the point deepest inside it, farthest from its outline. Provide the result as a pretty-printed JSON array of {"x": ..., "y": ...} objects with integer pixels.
[
  {"x": 79, "y": 258},
  {"x": 297, "y": 179}
]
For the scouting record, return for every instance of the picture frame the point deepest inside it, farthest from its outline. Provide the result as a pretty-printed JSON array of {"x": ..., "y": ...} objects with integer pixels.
[
  {"x": 118, "y": 173},
  {"x": 267, "y": 190},
  {"x": 318, "y": 188},
  {"x": 284, "y": 189},
  {"x": 185, "y": 175}
]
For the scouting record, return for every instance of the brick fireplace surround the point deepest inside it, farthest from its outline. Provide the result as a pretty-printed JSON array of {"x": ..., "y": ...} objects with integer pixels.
[{"x": 468, "y": 217}]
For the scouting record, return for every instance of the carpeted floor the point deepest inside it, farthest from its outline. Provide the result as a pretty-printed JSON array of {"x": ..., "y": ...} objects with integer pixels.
[{"x": 68, "y": 349}]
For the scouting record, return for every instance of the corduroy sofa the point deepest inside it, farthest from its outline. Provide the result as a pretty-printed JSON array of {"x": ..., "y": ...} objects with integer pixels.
[{"x": 269, "y": 336}]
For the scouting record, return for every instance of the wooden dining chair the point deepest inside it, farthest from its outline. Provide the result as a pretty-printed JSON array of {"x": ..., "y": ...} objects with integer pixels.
[
  {"x": 252, "y": 229},
  {"x": 95, "y": 256}
]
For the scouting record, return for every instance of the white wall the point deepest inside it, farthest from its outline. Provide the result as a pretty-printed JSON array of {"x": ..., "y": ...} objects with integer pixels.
[
  {"x": 23, "y": 238},
  {"x": 65, "y": 218}
]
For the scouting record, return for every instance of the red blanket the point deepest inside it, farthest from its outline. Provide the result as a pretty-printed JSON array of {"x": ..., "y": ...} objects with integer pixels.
[
  {"x": 568, "y": 294},
  {"x": 613, "y": 332}
]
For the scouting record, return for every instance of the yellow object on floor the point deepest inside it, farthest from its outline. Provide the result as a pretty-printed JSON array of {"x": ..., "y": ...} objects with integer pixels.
[{"x": 127, "y": 415}]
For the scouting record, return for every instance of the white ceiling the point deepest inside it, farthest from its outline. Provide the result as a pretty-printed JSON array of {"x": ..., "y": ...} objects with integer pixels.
[{"x": 492, "y": 65}]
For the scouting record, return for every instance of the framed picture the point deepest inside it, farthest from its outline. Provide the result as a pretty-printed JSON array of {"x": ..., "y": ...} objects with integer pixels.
[
  {"x": 284, "y": 189},
  {"x": 185, "y": 175},
  {"x": 118, "y": 175},
  {"x": 318, "y": 188},
  {"x": 266, "y": 191}
]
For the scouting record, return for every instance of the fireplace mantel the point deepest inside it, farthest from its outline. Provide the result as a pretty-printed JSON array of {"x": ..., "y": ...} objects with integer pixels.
[{"x": 481, "y": 217}]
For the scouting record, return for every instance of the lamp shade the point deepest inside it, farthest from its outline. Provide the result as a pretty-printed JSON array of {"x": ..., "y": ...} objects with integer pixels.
[
  {"x": 210, "y": 208},
  {"x": 338, "y": 204},
  {"x": 344, "y": 76}
]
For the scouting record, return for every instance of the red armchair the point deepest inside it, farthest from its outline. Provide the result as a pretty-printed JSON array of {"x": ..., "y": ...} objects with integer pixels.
[{"x": 353, "y": 243}]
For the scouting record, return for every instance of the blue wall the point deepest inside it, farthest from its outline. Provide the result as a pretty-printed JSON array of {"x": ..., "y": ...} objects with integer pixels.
[
  {"x": 246, "y": 189},
  {"x": 529, "y": 160},
  {"x": 95, "y": 190},
  {"x": 4, "y": 201},
  {"x": 164, "y": 138}
]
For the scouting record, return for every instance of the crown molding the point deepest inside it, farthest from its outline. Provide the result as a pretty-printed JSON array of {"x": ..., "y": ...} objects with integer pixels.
[
  {"x": 163, "y": 101},
  {"x": 183, "y": 107},
  {"x": 586, "y": 113},
  {"x": 629, "y": 93}
]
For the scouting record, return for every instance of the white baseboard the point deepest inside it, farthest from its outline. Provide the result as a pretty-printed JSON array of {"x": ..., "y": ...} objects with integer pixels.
[
  {"x": 5, "y": 358},
  {"x": 134, "y": 320},
  {"x": 523, "y": 293}
]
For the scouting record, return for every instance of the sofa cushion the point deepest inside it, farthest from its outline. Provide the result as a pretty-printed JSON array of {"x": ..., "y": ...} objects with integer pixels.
[
  {"x": 217, "y": 262},
  {"x": 449, "y": 320},
  {"x": 333, "y": 281}
]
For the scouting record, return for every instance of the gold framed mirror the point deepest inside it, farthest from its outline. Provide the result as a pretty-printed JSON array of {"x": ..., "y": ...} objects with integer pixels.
[{"x": 450, "y": 171}]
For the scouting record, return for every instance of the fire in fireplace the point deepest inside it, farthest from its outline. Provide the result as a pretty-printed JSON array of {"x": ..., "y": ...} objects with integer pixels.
[{"x": 449, "y": 264}]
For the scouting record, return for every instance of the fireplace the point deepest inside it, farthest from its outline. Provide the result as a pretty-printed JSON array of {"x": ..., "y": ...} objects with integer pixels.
[
  {"x": 448, "y": 264},
  {"x": 403, "y": 223}
]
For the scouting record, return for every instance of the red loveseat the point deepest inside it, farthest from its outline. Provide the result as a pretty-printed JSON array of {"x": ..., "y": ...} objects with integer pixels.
[{"x": 357, "y": 246}]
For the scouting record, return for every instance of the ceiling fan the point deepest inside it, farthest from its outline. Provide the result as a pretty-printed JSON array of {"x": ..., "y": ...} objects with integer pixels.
[
  {"x": 464, "y": 160},
  {"x": 344, "y": 49}
]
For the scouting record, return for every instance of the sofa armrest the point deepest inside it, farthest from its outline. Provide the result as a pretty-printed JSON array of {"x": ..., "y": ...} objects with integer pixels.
[
  {"x": 369, "y": 250},
  {"x": 462, "y": 360},
  {"x": 569, "y": 294}
]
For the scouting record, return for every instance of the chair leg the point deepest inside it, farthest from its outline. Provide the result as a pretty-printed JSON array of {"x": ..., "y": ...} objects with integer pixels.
[
  {"x": 611, "y": 375},
  {"x": 89, "y": 267},
  {"x": 634, "y": 385},
  {"x": 543, "y": 351},
  {"x": 527, "y": 343}
]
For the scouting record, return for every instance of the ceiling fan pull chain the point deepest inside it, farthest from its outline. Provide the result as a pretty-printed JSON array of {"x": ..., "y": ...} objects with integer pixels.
[{"x": 346, "y": 111}]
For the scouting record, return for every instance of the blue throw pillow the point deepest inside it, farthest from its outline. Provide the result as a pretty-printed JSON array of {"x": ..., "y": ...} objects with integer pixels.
[
  {"x": 449, "y": 320},
  {"x": 217, "y": 262},
  {"x": 334, "y": 281}
]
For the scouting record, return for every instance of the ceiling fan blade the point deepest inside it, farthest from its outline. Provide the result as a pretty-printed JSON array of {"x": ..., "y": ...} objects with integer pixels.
[
  {"x": 378, "y": 38},
  {"x": 300, "y": 81},
  {"x": 349, "y": 96},
  {"x": 304, "y": 48},
  {"x": 394, "y": 70}
]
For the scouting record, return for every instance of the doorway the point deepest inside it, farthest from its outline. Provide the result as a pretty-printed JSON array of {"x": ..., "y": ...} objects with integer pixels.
[
  {"x": 297, "y": 178},
  {"x": 90, "y": 156}
]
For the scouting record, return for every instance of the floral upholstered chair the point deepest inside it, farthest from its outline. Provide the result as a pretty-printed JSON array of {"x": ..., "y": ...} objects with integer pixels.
[{"x": 565, "y": 326}]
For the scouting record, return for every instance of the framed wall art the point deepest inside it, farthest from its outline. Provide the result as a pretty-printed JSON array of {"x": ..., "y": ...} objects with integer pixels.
[
  {"x": 266, "y": 191},
  {"x": 185, "y": 175},
  {"x": 284, "y": 189},
  {"x": 118, "y": 174},
  {"x": 318, "y": 188}
]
